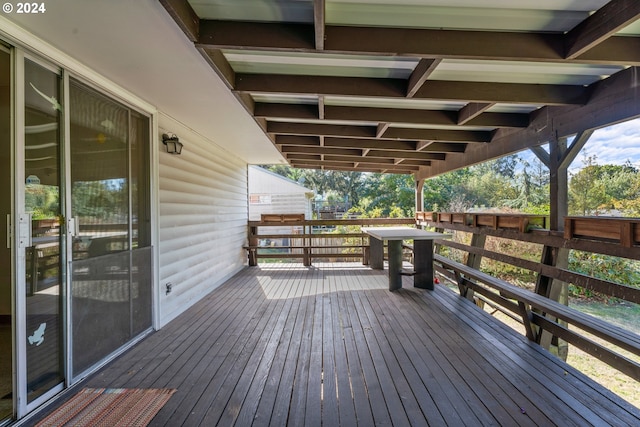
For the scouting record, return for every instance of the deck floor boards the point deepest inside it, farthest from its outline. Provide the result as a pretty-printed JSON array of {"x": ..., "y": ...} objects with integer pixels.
[{"x": 284, "y": 344}]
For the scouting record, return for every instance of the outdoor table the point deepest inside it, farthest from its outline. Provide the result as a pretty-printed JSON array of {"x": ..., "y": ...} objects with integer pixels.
[{"x": 422, "y": 253}]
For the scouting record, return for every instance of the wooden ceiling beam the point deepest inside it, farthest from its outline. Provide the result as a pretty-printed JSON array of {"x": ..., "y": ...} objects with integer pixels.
[
  {"x": 375, "y": 144},
  {"x": 420, "y": 75},
  {"x": 392, "y": 115},
  {"x": 354, "y": 167},
  {"x": 286, "y": 128},
  {"x": 369, "y": 132},
  {"x": 322, "y": 150},
  {"x": 427, "y": 117},
  {"x": 342, "y": 162},
  {"x": 256, "y": 35},
  {"x": 604, "y": 23},
  {"x": 184, "y": 15},
  {"x": 431, "y": 89},
  {"x": 439, "y": 135},
  {"x": 355, "y": 153},
  {"x": 298, "y": 140},
  {"x": 472, "y": 110},
  {"x": 288, "y": 111},
  {"x": 406, "y": 155},
  {"x": 381, "y": 129},
  {"x": 423, "y": 43},
  {"x": 320, "y": 85},
  {"x": 613, "y": 100}
]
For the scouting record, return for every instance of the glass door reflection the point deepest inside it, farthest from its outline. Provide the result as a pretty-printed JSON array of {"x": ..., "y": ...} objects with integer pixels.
[{"x": 44, "y": 296}]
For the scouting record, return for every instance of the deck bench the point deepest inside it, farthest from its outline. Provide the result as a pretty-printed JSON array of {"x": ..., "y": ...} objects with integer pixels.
[{"x": 535, "y": 311}]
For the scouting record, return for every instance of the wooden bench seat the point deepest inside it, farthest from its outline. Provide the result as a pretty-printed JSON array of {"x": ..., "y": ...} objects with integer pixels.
[{"x": 535, "y": 310}]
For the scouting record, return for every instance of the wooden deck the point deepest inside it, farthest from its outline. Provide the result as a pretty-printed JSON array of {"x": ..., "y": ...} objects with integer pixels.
[{"x": 329, "y": 344}]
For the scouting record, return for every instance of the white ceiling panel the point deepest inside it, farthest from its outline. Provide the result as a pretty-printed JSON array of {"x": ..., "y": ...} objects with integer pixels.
[
  {"x": 417, "y": 104},
  {"x": 522, "y": 72}
]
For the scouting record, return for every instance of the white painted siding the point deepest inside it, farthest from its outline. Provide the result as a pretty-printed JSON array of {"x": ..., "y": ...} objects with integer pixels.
[
  {"x": 202, "y": 216},
  {"x": 277, "y": 195}
]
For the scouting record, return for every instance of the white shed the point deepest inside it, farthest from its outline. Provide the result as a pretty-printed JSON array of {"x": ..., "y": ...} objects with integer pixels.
[{"x": 270, "y": 193}]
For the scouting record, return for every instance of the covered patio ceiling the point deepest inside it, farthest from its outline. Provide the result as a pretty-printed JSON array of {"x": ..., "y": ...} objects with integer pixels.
[{"x": 419, "y": 86}]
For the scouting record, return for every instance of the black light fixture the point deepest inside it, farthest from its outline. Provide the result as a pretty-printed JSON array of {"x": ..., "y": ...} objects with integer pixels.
[{"x": 173, "y": 144}]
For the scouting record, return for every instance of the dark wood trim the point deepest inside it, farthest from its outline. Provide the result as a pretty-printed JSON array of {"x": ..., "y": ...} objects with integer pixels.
[
  {"x": 420, "y": 75},
  {"x": 423, "y": 43},
  {"x": 438, "y": 135},
  {"x": 611, "y": 101},
  {"x": 184, "y": 15},
  {"x": 472, "y": 110},
  {"x": 395, "y": 88},
  {"x": 605, "y": 22}
]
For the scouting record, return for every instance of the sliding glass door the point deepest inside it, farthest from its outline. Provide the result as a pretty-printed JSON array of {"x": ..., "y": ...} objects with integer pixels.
[
  {"x": 6, "y": 280},
  {"x": 40, "y": 224},
  {"x": 111, "y": 278},
  {"x": 78, "y": 230}
]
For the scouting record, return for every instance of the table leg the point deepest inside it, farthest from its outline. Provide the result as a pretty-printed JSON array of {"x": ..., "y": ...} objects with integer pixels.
[
  {"x": 395, "y": 264},
  {"x": 423, "y": 264},
  {"x": 376, "y": 253}
]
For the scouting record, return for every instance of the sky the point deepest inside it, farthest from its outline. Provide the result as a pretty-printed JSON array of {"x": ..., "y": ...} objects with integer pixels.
[{"x": 611, "y": 145}]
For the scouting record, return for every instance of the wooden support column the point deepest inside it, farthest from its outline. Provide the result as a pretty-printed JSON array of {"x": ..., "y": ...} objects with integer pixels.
[
  {"x": 419, "y": 196},
  {"x": 558, "y": 162},
  {"x": 473, "y": 261},
  {"x": 253, "y": 243}
]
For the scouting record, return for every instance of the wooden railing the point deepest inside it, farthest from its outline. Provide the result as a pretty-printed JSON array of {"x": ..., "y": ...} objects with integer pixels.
[
  {"x": 544, "y": 319},
  {"x": 312, "y": 239}
]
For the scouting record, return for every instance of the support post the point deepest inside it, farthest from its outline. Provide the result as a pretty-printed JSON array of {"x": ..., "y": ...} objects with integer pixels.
[
  {"x": 419, "y": 196},
  {"x": 253, "y": 243},
  {"x": 474, "y": 261}
]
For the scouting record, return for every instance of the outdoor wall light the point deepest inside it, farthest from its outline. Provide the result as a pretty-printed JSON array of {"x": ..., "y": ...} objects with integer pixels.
[{"x": 173, "y": 144}]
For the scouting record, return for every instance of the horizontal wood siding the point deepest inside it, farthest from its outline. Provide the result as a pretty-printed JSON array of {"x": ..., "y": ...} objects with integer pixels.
[{"x": 203, "y": 220}]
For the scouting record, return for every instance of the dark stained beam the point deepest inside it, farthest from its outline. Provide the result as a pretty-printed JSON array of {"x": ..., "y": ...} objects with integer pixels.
[
  {"x": 305, "y": 157},
  {"x": 372, "y": 144},
  {"x": 288, "y": 111},
  {"x": 350, "y": 152},
  {"x": 438, "y": 135},
  {"x": 576, "y": 146},
  {"x": 304, "y": 141},
  {"x": 393, "y": 115},
  {"x": 321, "y": 129},
  {"x": 319, "y": 22},
  {"x": 605, "y": 22},
  {"x": 406, "y": 155},
  {"x": 381, "y": 129},
  {"x": 613, "y": 100},
  {"x": 320, "y": 85},
  {"x": 503, "y": 92},
  {"x": 220, "y": 65},
  {"x": 184, "y": 15},
  {"x": 458, "y": 44},
  {"x": 541, "y": 154},
  {"x": 427, "y": 117},
  {"x": 343, "y": 162},
  {"x": 617, "y": 50},
  {"x": 351, "y": 167},
  {"x": 263, "y": 35},
  {"x": 472, "y": 110},
  {"x": 431, "y": 89},
  {"x": 420, "y": 74},
  {"x": 322, "y": 150}
]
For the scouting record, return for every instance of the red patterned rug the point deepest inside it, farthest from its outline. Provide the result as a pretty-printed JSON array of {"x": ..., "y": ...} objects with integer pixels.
[{"x": 109, "y": 407}]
